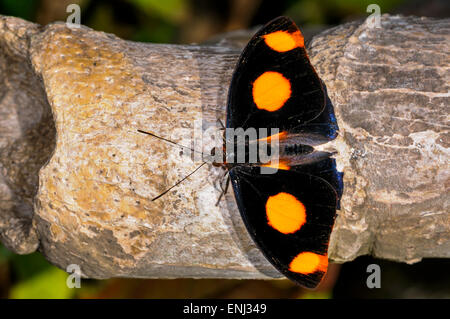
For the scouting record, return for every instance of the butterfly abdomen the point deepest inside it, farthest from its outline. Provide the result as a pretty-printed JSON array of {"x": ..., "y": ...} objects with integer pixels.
[{"x": 297, "y": 149}]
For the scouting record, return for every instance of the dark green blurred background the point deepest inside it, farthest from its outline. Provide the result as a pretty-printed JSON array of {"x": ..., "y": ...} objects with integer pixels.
[{"x": 188, "y": 21}]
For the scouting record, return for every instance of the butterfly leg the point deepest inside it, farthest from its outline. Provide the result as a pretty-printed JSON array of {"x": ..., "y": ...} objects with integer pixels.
[
  {"x": 221, "y": 124},
  {"x": 222, "y": 128},
  {"x": 224, "y": 189}
]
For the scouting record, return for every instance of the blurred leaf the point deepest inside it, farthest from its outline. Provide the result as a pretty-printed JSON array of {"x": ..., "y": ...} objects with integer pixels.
[
  {"x": 102, "y": 19},
  {"x": 25, "y": 9},
  {"x": 357, "y": 6},
  {"x": 327, "y": 11},
  {"x": 309, "y": 12},
  {"x": 49, "y": 284},
  {"x": 160, "y": 33},
  {"x": 316, "y": 295},
  {"x": 5, "y": 254},
  {"x": 172, "y": 10},
  {"x": 26, "y": 266},
  {"x": 37, "y": 278}
]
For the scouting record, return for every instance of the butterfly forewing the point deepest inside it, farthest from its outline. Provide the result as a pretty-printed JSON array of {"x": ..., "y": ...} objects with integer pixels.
[{"x": 274, "y": 85}]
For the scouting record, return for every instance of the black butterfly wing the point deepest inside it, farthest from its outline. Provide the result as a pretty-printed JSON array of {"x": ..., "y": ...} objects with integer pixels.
[
  {"x": 274, "y": 84},
  {"x": 289, "y": 215}
]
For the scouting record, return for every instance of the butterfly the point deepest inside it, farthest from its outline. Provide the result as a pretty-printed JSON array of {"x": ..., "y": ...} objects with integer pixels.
[{"x": 289, "y": 212}]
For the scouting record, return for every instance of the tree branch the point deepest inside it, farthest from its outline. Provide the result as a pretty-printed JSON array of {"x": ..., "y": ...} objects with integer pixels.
[{"x": 77, "y": 179}]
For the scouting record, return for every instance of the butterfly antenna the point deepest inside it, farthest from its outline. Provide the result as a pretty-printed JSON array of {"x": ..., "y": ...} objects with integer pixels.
[
  {"x": 169, "y": 141},
  {"x": 180, "y": 181}
]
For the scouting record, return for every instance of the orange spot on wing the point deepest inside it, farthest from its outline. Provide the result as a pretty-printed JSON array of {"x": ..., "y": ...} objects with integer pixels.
[
  {"x": 271, "y": 90},
  {"x": 285, "y": 213},
  {"x": 284, "y": 165},
  {"x": 308, "y": 263},
  {"x": 283, "y": 41}
]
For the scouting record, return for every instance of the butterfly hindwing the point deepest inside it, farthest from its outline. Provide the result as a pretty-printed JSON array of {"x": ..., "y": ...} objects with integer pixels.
[
  {"x": 290, "y": 215},
  {"x": 274, "y": 84},
  {"x": 326, "y": 170}
]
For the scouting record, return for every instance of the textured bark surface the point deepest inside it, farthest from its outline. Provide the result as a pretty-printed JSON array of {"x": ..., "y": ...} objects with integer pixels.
[{"x": 76, "y": 178}]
